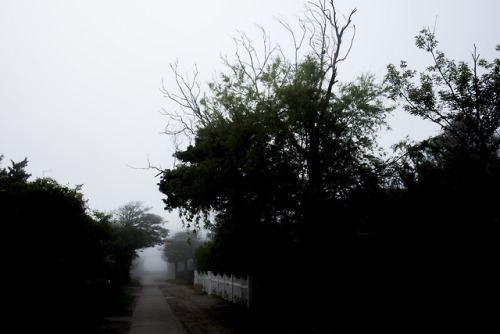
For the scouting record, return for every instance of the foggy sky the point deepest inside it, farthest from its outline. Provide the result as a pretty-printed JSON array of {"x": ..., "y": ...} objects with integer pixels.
[{"x": 80, "y": 80}]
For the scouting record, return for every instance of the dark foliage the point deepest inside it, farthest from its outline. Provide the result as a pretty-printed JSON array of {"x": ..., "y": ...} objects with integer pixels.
[
  {"x": 294, "y": 181},
  {"x": 449, "y": 188},
  {"x": 62, "y": 262}
]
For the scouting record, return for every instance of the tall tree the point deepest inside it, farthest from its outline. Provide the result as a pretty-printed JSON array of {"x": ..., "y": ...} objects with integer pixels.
[
  {"x": 278, "y": 141},
  {"x": 450, "y": 181},
  {"x": 463, "y": 161}
]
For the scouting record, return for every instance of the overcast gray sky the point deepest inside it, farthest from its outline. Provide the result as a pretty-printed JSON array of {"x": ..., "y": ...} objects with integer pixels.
[{"x": 80, "y": 80}]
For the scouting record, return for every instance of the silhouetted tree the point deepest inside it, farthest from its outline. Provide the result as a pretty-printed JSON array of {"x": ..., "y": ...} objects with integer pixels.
[
  {"x": 278, "y": 151},
  {"x": 134, "y": 228},
  {"x": 16, "y": 173},
  {"x": 277, "y": 141},
  {"x": 54, "y": 246},
  {"x": 450, "y": 181}
]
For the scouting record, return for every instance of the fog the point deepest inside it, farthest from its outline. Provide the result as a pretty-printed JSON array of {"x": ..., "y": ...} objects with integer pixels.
[{"x": 149, "y": 262}]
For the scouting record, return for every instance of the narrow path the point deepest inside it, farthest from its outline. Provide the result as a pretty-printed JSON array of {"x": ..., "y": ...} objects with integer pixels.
[{"x": 152, "y": 315}]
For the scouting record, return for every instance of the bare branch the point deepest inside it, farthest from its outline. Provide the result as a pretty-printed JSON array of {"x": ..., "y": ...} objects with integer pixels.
[
  {"x": 250, "y": 61},
  {"x": 319, "y": 40},
  {"x": 189, "y": 115},
  {"x": 339, "y": 34},
  {"x": 149, "y": 167},
  {"x": 327, "y": 38},
  {"x": 297, "y": 40}
]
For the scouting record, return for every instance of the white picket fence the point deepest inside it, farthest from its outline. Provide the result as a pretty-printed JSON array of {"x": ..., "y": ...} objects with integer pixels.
[{"x": 235, "y": 290}]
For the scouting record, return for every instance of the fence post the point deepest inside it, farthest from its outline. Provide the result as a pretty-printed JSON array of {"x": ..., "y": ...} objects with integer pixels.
[
  {"x": 249, "y": 292},
  {"x": 232, "y": 288},
  {"x": 208, "y": 279}
]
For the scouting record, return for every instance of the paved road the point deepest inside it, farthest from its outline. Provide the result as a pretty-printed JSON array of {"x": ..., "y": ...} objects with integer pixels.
[{"x": 152, "y": 314}]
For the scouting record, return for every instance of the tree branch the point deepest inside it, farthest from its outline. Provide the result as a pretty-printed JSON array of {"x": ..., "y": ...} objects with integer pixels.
[
  {"x": 184, "y": 122},
  {"x": 149, "y": 167},
  {"x": 297, "y": 42}
]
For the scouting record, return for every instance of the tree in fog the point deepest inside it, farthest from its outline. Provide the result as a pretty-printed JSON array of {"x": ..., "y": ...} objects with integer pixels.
[
  {"x": 180, "y": 247},
  {"x": 277, "y": 143},
  {"x": 134, "y": 227},
  {"x": 460, "y": 165},
  {"x": 463, "y": 99},
  {"x": 447, "y": 196}
]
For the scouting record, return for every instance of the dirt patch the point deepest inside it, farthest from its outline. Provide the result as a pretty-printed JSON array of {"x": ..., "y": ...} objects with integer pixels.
[{"x": 201, "y": 313}]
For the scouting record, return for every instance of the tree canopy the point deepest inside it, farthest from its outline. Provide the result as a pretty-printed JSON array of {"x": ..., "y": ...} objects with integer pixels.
[
  {"x": 448, "y": 184},
  {"x": 278, "y": 141},
  {"x": 460, "y": 165},
  {"x": 462, "y": 98},
  {"x": 284, "y": 167},
  {"x": 134, "y": 228}
]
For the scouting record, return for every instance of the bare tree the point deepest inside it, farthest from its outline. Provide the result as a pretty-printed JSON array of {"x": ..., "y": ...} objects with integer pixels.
[
  {"x": 187, "y": 98},
  {"x": 327, "y": 37}
]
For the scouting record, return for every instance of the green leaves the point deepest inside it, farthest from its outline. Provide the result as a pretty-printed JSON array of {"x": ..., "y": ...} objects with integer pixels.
[
  {"x": 284, "y": 142},
  {"x": 426, "y": 40},
  {"x": 446, "y": 89},
  {"x": 276, "y": 144},
  {"x": 463, "y": 99}
]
